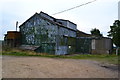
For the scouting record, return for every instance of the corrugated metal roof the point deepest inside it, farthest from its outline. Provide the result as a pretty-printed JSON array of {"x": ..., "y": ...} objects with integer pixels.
[{"x": 53, "y": 22}]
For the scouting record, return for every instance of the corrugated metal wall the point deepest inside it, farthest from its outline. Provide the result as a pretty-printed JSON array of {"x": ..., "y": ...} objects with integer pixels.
[
  {"x": 49, "y": 36},
  {"x": 83, "y": 45},
  {"x": 102, "y": 46},
  {"x": 39, "y": 32}
]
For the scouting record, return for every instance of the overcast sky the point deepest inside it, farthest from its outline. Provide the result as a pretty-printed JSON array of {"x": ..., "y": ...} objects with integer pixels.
[{"x": 99, "y": 14}]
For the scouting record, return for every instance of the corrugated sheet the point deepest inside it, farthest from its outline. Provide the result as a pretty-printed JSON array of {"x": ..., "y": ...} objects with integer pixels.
[
  {"x": 39, "y": 31},
  {"x": 83, "y": 45}
]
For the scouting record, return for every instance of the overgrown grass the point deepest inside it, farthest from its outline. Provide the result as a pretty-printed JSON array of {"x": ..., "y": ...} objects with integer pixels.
[{"x": 113, "y": 59}]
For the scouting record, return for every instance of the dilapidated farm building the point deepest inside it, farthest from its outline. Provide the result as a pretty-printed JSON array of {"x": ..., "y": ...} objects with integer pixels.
[
  {"x": 46, "y": 34},
  {"x": 87, "y": 43},
  {"x": 49, "y": 35},
  {"x": 13, "y": 39}
]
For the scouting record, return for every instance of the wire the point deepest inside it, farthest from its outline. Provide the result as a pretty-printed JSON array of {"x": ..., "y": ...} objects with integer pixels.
[{"x": 74, "y": 7}]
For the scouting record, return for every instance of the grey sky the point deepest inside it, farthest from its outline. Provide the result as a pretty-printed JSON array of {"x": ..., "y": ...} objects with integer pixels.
[{"x": 100, "y": 14}]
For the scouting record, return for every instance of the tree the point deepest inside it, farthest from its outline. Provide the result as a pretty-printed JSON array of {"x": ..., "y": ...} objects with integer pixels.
[
  {"x": 96, "y": 32},
  {"x": 115, "y": 34}
]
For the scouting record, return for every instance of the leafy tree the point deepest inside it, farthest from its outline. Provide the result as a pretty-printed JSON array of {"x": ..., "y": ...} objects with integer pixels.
[
  {"x": 115, "y": 34},
  {"x": 96, "y": 32}
]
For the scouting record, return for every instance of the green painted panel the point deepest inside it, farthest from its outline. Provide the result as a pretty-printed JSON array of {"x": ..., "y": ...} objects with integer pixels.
[
  {"x": 83, "y": 45},
  {"x": 48, "y": 48}
]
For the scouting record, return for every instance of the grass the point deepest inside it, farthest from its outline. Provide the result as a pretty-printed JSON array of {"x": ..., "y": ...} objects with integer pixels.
[{"x": 113, "y": 59}]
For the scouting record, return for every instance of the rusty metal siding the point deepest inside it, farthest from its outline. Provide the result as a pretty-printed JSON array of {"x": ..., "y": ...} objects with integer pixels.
[
  {"x": 13, "y": 35},
  {"x": 12, "y": 39}
]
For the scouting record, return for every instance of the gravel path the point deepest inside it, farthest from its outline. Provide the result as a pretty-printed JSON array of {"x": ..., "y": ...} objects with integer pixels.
[{"x": 39, "y": 67}]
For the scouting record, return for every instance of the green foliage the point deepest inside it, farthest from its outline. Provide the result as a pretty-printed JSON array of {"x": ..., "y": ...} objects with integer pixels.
[
  {"x": 96, "y": 32},
  {"x": 115, "y": 33}
]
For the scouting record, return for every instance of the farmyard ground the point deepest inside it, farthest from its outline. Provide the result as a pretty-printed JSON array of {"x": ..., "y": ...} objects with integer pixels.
[{"x": 40, "y": 67}]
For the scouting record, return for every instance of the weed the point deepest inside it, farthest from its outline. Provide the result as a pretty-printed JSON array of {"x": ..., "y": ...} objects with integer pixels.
[{"x": 113, "y": 59}]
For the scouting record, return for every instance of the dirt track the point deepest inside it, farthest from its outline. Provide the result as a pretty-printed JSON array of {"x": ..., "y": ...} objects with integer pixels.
[{"x": 37, "y": 67}]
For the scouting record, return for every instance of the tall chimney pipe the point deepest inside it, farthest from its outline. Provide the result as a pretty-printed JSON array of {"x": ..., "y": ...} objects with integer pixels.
[{"x": 16, "y": 25}]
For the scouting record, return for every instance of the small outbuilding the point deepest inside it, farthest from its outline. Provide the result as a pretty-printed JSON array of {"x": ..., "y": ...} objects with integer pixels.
[
  {"x": 12, "y": 39},
  {"x": 102, "y": 45},
  {"x": 89, "y": 44}
]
